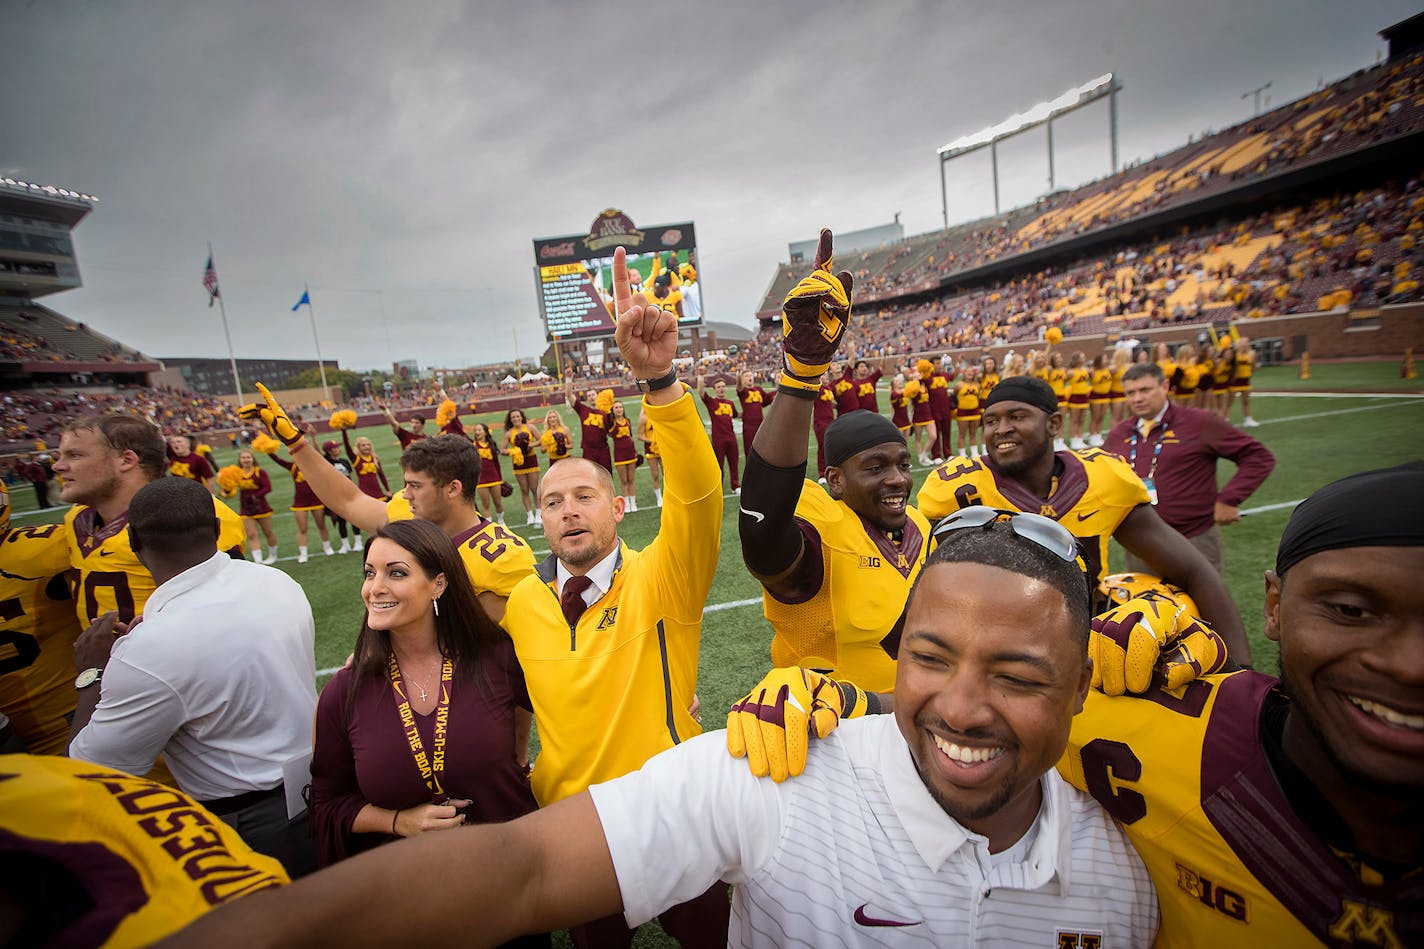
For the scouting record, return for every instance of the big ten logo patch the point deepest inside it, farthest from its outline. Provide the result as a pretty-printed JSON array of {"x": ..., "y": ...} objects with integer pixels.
[
  {"x": 609, "y": 617},
  {"x": 1079, "y": 940},
  {"x": 1361, "y": 924},
  {"x": 1212, "y": 895},
  {"x": 869, "y": 561}
]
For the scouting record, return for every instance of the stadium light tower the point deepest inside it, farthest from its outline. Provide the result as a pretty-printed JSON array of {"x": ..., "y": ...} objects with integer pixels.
[{"x": 1105, "y": 86}]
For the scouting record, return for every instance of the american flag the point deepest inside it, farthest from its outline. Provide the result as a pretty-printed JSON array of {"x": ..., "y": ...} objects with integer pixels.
[{"x": 210, "y": 282}]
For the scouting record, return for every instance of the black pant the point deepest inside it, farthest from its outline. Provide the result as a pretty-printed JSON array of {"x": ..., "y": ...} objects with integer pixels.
[{"x": 265, "y": 827}]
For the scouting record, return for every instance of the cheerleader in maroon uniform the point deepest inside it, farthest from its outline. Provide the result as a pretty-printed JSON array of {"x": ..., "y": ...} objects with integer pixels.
[
  {"x": 521, "y": 444},
  {"x": 370, "y": 476},
  {"x": 753, "y": 398},
  {"x": 488, "y": 492},
  {"x": 625, "y": 454},
  {"x": 304, "y": 501},
  {"x": 253, "y": 508},
  {"x": 556, "y": 440},
  {"x": 721, "y": 411}
]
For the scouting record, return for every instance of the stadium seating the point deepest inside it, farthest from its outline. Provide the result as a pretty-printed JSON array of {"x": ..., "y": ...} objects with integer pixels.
[{"x": 30, "y": 332}]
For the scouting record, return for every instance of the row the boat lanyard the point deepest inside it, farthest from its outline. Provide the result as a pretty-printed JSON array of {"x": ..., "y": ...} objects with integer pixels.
[{"x": 431, "y": 766}]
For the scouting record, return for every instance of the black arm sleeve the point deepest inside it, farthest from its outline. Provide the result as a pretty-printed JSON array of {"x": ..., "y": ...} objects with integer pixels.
[{"x": 771, "y": 541}]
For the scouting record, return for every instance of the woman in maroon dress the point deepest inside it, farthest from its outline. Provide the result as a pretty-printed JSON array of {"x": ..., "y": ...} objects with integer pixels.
[
  {"x": 253, "y": 508},
  {"x": 488, "y": 492},
  {"x": 625, "y": 455},
  {"x": 370, "y": 476},
  {"x": 429, "y": 655},
  {"x": 304, "y": 502}
]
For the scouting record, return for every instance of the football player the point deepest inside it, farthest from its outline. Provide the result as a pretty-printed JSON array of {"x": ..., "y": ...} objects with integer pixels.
[
  {"x": 835, "y": 563},
  {"x": 441, "y": 473},
  {"x": 38, "y": 628},
  {"x": 104, "y": 460},
  {"x": 1091, "y": 492}
]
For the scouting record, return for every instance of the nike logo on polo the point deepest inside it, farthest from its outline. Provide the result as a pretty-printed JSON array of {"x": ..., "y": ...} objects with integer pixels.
[
  {"x": 756, "y": 514},
  {"x": 862, "y": 919},
  {"x": 1084, "y": 517},
  {"x": 104, "y": 552}
]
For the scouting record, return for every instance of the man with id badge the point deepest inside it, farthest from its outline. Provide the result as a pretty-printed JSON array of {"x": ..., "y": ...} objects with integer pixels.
[
  {"x": 1174, "y": 450},
  {"x": 1090, "y": 491}
]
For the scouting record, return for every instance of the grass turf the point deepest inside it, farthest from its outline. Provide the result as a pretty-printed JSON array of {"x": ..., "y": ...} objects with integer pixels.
[{"x": 1315, "y": 439}]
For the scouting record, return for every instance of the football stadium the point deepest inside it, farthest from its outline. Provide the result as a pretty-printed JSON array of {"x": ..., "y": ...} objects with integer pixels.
[{"x": 1080, "y": 364}]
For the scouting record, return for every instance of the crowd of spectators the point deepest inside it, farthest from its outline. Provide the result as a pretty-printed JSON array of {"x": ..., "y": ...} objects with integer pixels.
[
  {"x": 33, "y": 419},
  {"x": 24, "y": 338}
]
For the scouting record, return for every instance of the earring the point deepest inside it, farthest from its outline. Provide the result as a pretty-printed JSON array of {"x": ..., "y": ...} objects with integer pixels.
[{"x": 435, "y": 602}]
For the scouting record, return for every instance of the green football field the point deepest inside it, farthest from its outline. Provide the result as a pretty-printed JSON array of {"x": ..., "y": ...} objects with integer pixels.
[{"x": 1317, "y": 432}]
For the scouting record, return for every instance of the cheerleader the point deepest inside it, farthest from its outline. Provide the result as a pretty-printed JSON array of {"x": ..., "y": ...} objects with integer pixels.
[
  {"x": 489, "y": 489},
  {"x": 519, "y": 445},
  {"x": 625, "y": 454}
]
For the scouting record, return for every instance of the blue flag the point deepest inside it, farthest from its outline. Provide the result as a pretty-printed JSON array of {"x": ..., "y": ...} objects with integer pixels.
[{"x": 306, "y": 298}]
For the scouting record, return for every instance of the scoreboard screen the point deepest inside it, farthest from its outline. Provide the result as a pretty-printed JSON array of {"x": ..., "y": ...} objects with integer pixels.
[{"x": 575, "y": 274}]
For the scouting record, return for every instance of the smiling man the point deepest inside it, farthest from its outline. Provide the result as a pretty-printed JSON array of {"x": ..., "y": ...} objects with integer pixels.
[
  {"x": 942, "y": 825},
  {"x": 835, "y": 563},
  {"x": 1093, "y": 493}
]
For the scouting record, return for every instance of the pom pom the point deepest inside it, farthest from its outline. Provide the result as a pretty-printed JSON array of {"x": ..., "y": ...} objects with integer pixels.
[
  {"x": 266, "y": 444},
  {"x": 1054, "y": 336},
  {"x": 342, "y": 419},
  {"x": 912, "y": 389},
  {"x": 516, "y": 455},
  {"x": 229, "y": 478},
  {"x": 604, "y": 401},
  {"x": 447, "y": 411},
  {"x": 925, "y": 368}
]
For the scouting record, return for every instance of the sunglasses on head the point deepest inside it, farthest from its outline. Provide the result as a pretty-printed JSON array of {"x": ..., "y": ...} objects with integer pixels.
[{"x": 1045, "y": 532}]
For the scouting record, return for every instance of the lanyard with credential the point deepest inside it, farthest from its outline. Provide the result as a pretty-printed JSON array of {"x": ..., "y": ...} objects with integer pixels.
[
  {"x": 431, "y": 766},
  {"x": 1156, "y": 452}
]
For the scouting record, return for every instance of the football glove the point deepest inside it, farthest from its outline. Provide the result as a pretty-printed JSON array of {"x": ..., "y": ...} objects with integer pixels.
[
  {"x": 1151, "y": 640},
  {"x": 815, "y": 315},
  {"x": 771, "y": 726},
  {"x": 273, "y": 416}
]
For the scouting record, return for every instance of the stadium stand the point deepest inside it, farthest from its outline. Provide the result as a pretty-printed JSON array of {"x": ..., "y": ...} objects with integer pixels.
[{"x": 1252, "y": 235}]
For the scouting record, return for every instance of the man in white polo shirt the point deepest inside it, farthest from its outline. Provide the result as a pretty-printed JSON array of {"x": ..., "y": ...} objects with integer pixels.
[
  {"x": 218, "y": 674},
  {"x": 943, "y": 826}
]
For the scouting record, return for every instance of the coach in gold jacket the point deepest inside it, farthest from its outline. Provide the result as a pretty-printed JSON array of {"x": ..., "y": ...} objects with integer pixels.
[{"x": 608, "y": 636}]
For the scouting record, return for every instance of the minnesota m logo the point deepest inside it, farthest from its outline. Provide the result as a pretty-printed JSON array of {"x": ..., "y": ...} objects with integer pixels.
[
  {"x": 1363, "y": 924},
  {"x": 1079, "y": 940},
  {"x": 609, "y": 617}
]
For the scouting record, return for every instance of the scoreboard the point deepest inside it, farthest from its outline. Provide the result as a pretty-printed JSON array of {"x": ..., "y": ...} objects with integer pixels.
[{"x": 574, "y": 274}]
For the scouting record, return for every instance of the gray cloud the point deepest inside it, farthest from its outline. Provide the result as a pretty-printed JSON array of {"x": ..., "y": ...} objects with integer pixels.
[{"x": 399, "y": 158}]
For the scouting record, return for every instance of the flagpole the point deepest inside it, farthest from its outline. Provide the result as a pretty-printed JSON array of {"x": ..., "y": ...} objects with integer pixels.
[
  {"x": 231, "y": 359},
  {"x": 321, "y": 366}
]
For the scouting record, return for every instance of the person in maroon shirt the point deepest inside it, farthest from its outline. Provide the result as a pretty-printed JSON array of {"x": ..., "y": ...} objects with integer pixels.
[
  {"x": 370, "y": 476},
  {"x": 489, "y": 491},
  {"x": 404, "y": 435},
  {"x": 865, "y": 380},
  {"x": 625, "y": 455},
  {"x": 721, "y": 411},
  {"x": 844, "y": 389},
  {"x": 254, "y": 508},
  {"x": 304, "y": 501},
  {"x": 186, "y": 463},
  {"x": 594, "y": 440},
  {"x": 426, "y": 653},
  {"x": 823, "y": 413},
  {"x": 1174, "y": 449},
  {"x": 941, "y": 409},
  {"x": 753, "y": 398}
]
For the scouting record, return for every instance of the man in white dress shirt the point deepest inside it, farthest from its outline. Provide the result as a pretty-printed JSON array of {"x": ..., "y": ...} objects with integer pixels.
[
  {"x": 218, "y": 674},
  {"x": 945, "y": 825}
]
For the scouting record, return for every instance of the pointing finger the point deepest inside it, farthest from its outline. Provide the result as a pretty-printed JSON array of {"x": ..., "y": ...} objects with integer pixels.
[
  {"x": 622, "y": 293},
  {"x": 823, "y": 250}
]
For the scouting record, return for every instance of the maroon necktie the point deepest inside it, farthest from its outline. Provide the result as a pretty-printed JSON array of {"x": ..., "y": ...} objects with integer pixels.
[{"x": 572, "y": 598}]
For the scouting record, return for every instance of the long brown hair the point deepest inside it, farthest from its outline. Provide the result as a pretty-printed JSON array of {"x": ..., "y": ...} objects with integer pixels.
[{"x": 463, "y": 630}]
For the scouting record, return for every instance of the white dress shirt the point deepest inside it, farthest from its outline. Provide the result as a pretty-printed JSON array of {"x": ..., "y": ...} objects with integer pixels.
[
  {"x": 601, "y": 575},
  {"x": 220, "y": 677}
]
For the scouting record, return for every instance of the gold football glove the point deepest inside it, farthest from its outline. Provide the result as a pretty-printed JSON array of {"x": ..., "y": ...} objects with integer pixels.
[
  {"x": 815, "y": 315},
  {"x": 1151, "y": 639},
  {"x": 772, "y": 725},
  {"x": 273, "y": 416}
]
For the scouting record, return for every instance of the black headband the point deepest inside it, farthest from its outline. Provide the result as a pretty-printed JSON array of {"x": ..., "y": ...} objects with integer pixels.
[
  {"x": 1026, "y": 389},
  {"x": 856, "y": 431},
  {"x": 1382, "y": 508}
]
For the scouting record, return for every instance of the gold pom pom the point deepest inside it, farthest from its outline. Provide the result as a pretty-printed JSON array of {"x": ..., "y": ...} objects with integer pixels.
[
  {"x": 1054, "y": 336},
  {"x": 447, "y": 411},
  {"x": 229, "y": 477},
  {"x": 266, "y": 444},
  {"x": 343, "y": 419},
  {"x": 604, "y": 401}
]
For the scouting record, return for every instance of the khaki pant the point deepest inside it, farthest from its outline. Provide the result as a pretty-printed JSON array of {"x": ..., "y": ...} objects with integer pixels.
[{"x": 1209, "y": 543}]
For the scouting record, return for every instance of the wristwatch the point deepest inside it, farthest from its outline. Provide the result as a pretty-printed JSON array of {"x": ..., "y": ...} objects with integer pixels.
[
  {"x": 661, "y": 382},
  {"x": 88, "y": 677}
]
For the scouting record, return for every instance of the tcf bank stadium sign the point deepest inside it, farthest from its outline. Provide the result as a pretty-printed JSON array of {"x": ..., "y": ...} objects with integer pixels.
[{"x": 612, "y": 228}]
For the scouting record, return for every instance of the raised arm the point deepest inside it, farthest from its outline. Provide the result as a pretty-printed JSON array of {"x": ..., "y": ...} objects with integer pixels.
[
  {"x": 773, "y": 546},
  {"x": 333, "y": 488}
]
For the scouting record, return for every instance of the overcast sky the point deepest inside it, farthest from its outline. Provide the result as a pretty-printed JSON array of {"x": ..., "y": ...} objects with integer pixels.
[{"x": 400, "y": 158}]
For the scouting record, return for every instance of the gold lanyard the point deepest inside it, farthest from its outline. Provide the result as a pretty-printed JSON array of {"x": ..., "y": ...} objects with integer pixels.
[{"x": 431, "y": 766}]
